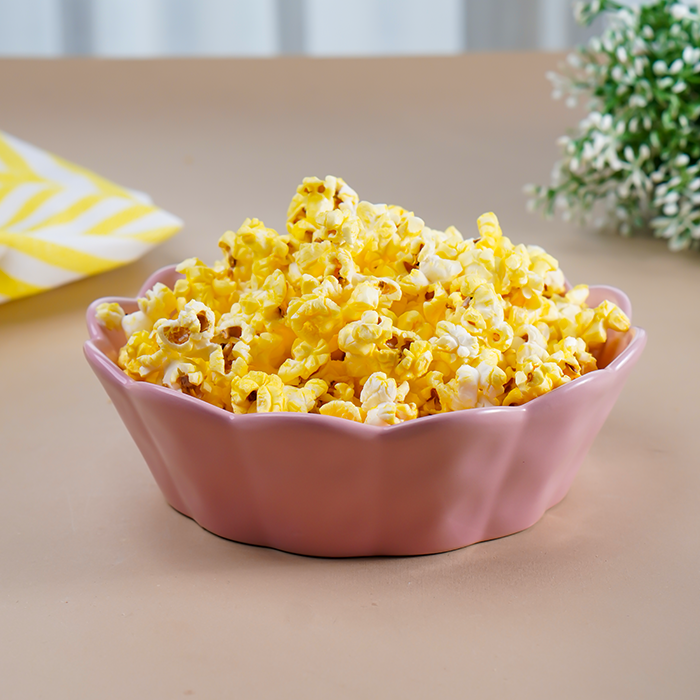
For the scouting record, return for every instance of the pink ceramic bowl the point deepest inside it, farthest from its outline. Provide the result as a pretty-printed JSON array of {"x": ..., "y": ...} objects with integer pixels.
[{"x": 326, "y": 486}]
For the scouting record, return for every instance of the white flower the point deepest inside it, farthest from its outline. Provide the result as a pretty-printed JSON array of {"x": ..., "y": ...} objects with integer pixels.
[
  {"x": 676, "y": 66},
  {"x": 617, "y": 73},
  {"x": 579, "y": 8},
  {"x": 679, "y": 11},
  {"x": 691, "y": 55},
  {"x": 671, "y": 198}
]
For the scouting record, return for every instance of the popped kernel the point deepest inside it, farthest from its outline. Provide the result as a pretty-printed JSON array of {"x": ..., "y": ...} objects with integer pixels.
[
  {"x": 341, "y": 409},
  {"x": 363, "y": 312},
  {"x": 109, "y": 315}
]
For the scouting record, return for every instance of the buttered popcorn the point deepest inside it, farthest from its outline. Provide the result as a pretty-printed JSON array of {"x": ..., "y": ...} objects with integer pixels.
[{"x": 362, "y": 312}]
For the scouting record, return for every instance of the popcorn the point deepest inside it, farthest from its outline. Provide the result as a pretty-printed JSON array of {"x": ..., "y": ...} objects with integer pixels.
[
  {"x": 181, "y": 375},
  {"x": 462, "y": 391},
  {"x": 454, "y": 342},
  {"x": 110, "y": 315},
  {"x": 361, "y": 311},
  {"x": 341, "y": 409},
  {"x": 303, "y": 400},
  {"x": 159, "y": 302},
  {"x": 436, "y": 268},
  {"x": 306, "y": 359},
  {"x": 189, "y": 334},
  {"x": 364, "y": 337},
  {"x": 382, "y": 401}
]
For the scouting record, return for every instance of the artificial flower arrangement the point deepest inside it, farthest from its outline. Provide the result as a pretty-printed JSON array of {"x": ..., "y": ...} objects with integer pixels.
[{"x": 637, "y": 153}]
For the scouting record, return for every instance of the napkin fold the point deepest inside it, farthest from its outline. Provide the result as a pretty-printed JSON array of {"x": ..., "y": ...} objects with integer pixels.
[{"x": 60, "y": 222}]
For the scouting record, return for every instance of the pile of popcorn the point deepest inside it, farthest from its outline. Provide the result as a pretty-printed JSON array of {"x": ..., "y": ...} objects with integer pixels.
[{"x": 363, "y": 312}]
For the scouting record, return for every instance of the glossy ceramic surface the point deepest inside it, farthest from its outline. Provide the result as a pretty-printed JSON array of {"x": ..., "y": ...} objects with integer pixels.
[{"x": 326, "y": 486}]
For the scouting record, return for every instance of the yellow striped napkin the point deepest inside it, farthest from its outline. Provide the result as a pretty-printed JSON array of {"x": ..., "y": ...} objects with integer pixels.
[{"x": 60, "y": 222}]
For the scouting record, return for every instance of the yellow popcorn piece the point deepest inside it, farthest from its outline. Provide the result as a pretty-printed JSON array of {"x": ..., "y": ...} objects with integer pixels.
[
  {"x": 414, "y": 322},
  {"x": 462, "y": 392},
  {"x": 303, "y": 400},
  {"x": 141, "y": 357},
  {"x": 361, "y": 311},
  {"x": 345, "y": 391},
  {"x": 253, "y": 252},
  {"x": 314, "y": 318},
  {"x": 110, "y": 316},
  {"x": 454, "y": 343},
  {"x": 363, "y": 337},
  {"x": 341, "y": 409},
  {"x": 190, "y": 333},
  {"x": 257, "y": 392},
  {"x": 159, "y": 302},
  {"x": 437, "y": 268},
  {"x": 378, "y": 389},
  {"x": 200, "y": 284},
  {"x": 313, "y": 200},
  {"x": 182, "y": 376},
  {"x": 306, "y": 359},
  {"x": 382, "y": 401},
  {"x": 390, "y": 413},
  {"x": 605, "y": 315},
  {"x": 415, "y": 360},
  {"x": 537, "y": 379}
]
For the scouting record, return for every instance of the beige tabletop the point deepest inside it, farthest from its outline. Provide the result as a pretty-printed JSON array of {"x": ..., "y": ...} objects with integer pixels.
[{"x": 107, "y": 592}]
